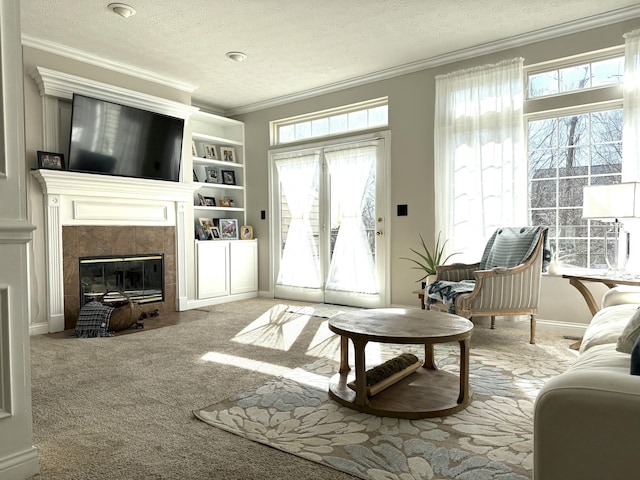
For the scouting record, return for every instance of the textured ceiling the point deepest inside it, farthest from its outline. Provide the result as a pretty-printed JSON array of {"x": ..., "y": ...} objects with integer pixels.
[{"x": 292, "y": 46}]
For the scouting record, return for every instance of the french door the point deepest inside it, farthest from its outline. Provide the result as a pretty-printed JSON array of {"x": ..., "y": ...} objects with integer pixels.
[{"x": 329, "y": 205}]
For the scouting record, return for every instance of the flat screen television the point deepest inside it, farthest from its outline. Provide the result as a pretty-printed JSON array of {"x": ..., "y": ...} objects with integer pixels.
[{"x": 112, "y": 139}]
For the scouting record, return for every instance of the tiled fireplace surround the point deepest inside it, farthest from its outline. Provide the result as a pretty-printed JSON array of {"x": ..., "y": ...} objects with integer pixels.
[{"x": 95, "y": 240}]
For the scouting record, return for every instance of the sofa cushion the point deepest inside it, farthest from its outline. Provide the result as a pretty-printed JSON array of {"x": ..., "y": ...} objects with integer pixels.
[
  {"x": 603, "y": 358},
  {"x": 607, "y": 325},
  {"x": 631, "y": 331}
]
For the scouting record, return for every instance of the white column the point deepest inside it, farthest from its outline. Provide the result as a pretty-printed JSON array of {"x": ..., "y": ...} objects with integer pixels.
[
  {"x": 18, "y": 456},
  {"x": 55, "y": 277}
]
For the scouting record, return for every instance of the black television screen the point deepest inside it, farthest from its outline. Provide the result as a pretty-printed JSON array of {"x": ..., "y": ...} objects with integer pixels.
[{"x": 114, "y": 139}]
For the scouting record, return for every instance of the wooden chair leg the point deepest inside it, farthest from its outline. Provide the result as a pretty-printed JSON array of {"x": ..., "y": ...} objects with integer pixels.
[
  {"x": 532, "y": 339},
  {"x": 493, "y": 322}
]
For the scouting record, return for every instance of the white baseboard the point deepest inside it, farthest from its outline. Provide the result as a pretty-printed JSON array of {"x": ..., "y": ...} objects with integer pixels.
[{"x": 41, "y": 328}]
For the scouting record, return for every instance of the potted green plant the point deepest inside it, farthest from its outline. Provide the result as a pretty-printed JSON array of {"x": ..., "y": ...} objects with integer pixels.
[{"x": 428, "y": 259}]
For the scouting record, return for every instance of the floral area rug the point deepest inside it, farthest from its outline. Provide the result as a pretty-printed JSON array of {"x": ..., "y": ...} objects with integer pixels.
[{"x": 491, "y": 439}]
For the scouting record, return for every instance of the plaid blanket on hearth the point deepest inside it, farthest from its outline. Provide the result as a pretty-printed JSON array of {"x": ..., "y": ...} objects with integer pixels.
[{"x": 93, "y": 321}]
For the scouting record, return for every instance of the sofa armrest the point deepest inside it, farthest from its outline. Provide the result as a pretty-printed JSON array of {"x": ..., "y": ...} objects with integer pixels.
[{"x": 586, "y": 425}]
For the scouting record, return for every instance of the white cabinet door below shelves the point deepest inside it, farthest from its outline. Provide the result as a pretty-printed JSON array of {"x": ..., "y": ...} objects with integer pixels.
[
  {"x": 213, "y": 268},
  {"x": 244, "y": 266}
]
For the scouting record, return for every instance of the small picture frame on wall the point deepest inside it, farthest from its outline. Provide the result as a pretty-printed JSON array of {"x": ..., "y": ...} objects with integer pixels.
[
  {"x": 210, "y": 152},
  {"x": 246, "y": 232},
  {"x": 228, "y": 154},
  {"x": 50, "y": 160},
  {"x": 229, "y": 228},
  {"x": 228, "y": 177}
]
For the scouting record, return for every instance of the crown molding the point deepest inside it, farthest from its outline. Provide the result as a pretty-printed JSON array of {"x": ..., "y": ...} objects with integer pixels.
[
  {"x": 568, "y": 28},
  {"x": 64, "y": 85},
  {"x": 81, "y": 56}
]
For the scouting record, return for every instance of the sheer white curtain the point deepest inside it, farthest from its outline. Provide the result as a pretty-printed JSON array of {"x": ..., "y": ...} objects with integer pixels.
[
  {"x": 631, "y": 132},
  {"x": 300, "y": 262},
  {"x": 631, "y": 110},
  {"x": 352, "y": 266},
  {"x": 480, "y": 161}
]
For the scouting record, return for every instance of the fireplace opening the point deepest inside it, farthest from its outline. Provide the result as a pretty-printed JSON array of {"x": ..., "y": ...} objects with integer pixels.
[{"x": 139, "y": 277}]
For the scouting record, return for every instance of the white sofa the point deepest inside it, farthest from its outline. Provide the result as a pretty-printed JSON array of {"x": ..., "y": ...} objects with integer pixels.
[{"x": 587, "y": 420}]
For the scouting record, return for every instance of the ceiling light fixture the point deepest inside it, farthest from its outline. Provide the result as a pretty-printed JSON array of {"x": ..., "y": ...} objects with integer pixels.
[
  {"x": 236, "y": 56},
  {"x": 122, "y": 9}
]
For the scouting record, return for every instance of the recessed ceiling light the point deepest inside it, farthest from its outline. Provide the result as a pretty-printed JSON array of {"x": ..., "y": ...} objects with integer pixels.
[
  {"x": 122, "y": 9},
  {"x": 236, "y": 56}
]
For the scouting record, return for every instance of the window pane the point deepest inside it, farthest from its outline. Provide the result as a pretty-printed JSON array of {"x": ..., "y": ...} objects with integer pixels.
[
  {"x": 573, "y": 130},
  {"x": 606, "y": 126},
  {"x": 607, "y": 72},
  {"x": 320, "y": 127},
  {"x": 542, "y": 163},
  {"x": 570, "y": 191},
  {"x": 357, "y": 120},
  {"x": 286, "y": 133},
  {"x": 545, "y": 83},
  {"x": 543, "y": 194},
  {"x": 338, "y": 123},
  {"x": 606, "y": 159},
  {"x": 574, "y": 78},
  {"x": 303, "y": 130},
  {"x": 378, "y": 116}
]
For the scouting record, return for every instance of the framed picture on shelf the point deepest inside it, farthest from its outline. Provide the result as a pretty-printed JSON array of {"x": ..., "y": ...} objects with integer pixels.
[
  {"x": 201, "y": 233},
  {"x": 195, "y": 177},
  {"x": 210, "y": 152},
  {"x": 194, "y": 151},
  {"x": 225, "y": 202},
  {"x": 229, "y": 228},
  {"x": 215, "y": 233},
  {"x": 201, "y": 200},
  {"x": 207, "y": 224},
  {"x": 50, "y": 160},
  {"x": 213, "y": 174},
  {"x": 228, "y": 177},
  {"x": 228, "y": 154},
  {"x": 209, "y": 201},
  {"x": 246, "y": 232}
]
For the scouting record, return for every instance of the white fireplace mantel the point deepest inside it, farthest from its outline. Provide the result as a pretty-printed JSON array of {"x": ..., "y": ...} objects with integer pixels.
[{"x": 72, "y": 198}]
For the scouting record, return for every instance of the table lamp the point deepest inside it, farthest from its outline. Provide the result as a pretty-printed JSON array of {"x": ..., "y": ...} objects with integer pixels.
[{"x": 611, "y": 203}]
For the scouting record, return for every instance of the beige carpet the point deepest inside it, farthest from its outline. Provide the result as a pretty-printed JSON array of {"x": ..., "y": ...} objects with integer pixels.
[{"x": 121, "y": 407}]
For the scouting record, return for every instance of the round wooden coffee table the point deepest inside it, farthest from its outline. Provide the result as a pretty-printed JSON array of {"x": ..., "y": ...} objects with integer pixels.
[{"x": 428, "y": 392}]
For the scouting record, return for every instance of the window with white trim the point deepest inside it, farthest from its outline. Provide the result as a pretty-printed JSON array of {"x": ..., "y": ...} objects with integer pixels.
[
  {"x": 574, "y": 138},
  {"x": 336, "y": 121}
]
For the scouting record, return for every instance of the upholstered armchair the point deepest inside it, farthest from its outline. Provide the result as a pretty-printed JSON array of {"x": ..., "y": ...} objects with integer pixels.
[{"x": 505, "y": 282}]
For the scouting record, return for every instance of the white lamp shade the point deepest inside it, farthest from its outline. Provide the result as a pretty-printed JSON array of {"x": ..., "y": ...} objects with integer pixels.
[{"x": 609, "y": 202}]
